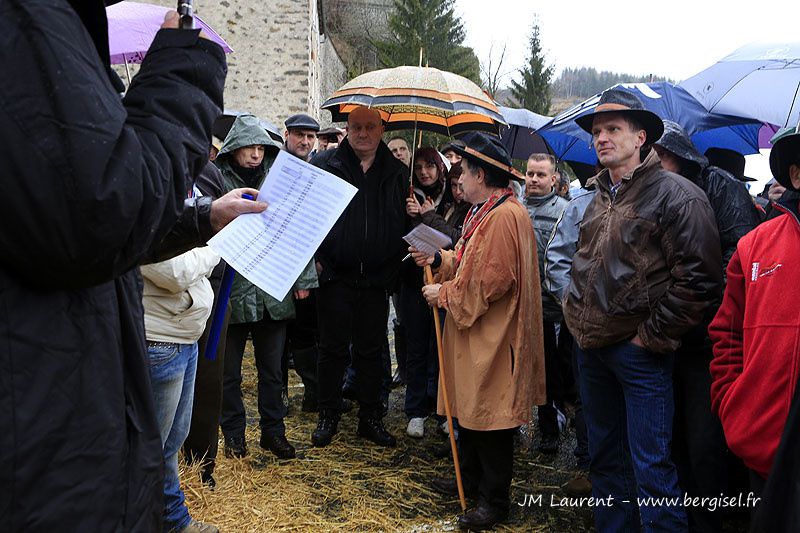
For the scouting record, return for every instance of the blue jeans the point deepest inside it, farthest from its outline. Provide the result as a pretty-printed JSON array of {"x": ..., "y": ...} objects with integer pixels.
[
  {"x": 628, "y": 404},
  {"x": 172, "y": 371}
]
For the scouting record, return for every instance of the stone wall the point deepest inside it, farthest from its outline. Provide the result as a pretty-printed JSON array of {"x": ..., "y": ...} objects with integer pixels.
[{"x": 277, "y": 67}]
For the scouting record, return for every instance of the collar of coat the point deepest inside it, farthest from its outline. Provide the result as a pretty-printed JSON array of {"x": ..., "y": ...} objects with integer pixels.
[
  {"x": 539, "y": 200},
  {"x": 346, "y": 160},
  {"x": 603, "y": 179}
]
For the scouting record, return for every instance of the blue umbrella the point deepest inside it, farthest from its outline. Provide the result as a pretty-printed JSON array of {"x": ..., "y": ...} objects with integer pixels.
[
  {"x": 569, "y": 142},
  {"x": 518, "y": 137},
  {"x": 759, "y": 81}
]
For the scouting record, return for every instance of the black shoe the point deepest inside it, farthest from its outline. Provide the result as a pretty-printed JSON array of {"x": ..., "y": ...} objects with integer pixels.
[
  {"x": 327, "y": 427},
  {"x": 207, "y": 479},
  {"x": 548, "y": 444},
  {"x": 481, "y": 518},
  {"x": 372, "y": 429},
  {"x": 235, "y": 447},
  {"x": 449, "y": 487},
  {"x": 278, "y": 445}
]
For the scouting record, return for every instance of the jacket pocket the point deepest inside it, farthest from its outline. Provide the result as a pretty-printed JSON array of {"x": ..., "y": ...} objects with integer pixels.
[{"x": 511, "y": 346}]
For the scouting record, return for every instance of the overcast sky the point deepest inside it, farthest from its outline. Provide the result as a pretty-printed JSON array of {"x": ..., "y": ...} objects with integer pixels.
[{"x": 674, "y": 39}]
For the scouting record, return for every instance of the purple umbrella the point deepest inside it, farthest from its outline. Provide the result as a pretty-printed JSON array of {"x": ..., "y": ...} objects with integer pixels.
[{"x": 132, "y": 26}]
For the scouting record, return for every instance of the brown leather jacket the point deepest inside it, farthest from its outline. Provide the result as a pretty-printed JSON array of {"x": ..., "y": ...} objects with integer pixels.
[{"x": 648, "y": 261}]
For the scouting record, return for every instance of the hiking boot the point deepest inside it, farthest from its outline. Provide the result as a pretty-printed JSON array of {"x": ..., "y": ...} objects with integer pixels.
[
  {"x": 235, "y": 447},
  {"x": 327, "y": 427},
  {"x": 578, "y": 486},
  {"x": 416, "y": 427},
  {"x": 278, "y": 445},
  {"x": 196, "y": 526},
  {"x": 372, "y": 429}
]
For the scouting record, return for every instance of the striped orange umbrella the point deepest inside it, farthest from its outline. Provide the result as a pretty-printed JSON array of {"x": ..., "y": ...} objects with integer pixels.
[{"x": 424, "y": 97}]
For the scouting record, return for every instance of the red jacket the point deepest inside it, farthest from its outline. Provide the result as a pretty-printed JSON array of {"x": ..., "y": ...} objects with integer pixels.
[{"x": 756, "y": 336}]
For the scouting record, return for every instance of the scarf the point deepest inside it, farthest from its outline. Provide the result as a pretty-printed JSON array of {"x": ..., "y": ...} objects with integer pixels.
[{"x": 476, "y": 216}]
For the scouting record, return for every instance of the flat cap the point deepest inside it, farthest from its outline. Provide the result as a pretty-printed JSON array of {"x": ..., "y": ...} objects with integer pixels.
[{"x": 301, "y": 122}]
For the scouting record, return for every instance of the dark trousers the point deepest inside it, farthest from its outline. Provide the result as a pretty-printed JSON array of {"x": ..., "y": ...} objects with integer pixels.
[
  {"x": 421, "y": 363},
  {"x": 567, "y": 344},
  {"x": 302, "y": 338},
  {"x": 548, "y": 414},
  {"x": 269, "y": 337},
  {"x": 201, "y": 443},
  {"x": 358, "y": 317},
  {"x": 487, "y": 463},
  {"x": 698, "y": 443}
]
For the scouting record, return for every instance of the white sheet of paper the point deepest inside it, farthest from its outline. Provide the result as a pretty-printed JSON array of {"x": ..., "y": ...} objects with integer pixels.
[
  {"x": 426, "y": 239},
  {"x": 272, "y": 248}
]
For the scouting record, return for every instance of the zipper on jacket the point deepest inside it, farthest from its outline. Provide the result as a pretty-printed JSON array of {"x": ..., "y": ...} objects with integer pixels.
[{"x": 366, "y": 221}]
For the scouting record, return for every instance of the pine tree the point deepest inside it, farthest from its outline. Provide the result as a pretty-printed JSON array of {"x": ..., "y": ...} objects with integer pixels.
[
  {"x": 532, "y": 91},
  {"x": 433, "y": 26}
]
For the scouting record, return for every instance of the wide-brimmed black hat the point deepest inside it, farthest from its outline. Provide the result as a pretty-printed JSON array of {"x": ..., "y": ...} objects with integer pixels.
[
  {"x": 729, "y": 160},
  {"x": 675, "y": 140},
  {"x": 626, "y": 103},
  {"x": 487, "y": 151},
  {"x": 785, "y": 152},
  {"x": 449, "y": 146}
]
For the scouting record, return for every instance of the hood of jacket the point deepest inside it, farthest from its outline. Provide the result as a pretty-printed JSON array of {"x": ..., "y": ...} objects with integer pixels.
[{"x": 246, "y": 131}]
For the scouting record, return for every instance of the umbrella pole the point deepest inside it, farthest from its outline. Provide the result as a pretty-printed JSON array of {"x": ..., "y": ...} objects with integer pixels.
[
  {"x": 453, "y": 447},
  {"x": 413, "y": 150},
  {"x": 127, "y": 71}
]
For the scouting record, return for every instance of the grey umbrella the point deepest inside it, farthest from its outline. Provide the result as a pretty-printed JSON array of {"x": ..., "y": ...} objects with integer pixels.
[{"x": 760, "y": 81}]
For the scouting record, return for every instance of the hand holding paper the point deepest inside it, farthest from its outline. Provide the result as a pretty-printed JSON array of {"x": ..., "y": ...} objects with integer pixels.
[{"x": 272, "y": 248}]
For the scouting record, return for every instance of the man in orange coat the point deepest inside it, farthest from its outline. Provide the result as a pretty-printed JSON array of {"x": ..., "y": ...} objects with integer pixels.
[{"x": 493, "y": 351}]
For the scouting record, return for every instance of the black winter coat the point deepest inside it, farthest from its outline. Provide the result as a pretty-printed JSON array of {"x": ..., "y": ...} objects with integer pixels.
[
  {"x": 733, "y": 207},
  {"x": 365, "y": 246},
  {"x": 91, "y": 183}
]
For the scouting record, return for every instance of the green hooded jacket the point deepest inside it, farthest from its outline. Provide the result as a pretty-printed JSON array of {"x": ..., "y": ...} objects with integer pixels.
[{"x": 248, "y": 302}]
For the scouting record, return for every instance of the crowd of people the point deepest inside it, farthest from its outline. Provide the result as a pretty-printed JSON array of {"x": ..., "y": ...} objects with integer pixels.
[{"x": 651, "y": 305}]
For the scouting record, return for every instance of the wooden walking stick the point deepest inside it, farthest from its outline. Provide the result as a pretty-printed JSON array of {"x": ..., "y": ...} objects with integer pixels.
[{"x": 438, "y": 326}]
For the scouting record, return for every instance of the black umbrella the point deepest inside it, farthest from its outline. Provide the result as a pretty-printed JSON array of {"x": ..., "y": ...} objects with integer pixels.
[{"x": 224, "y": 124}]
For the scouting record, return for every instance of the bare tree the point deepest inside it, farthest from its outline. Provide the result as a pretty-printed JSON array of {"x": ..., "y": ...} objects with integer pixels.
[{"x": 492, "y": 72}]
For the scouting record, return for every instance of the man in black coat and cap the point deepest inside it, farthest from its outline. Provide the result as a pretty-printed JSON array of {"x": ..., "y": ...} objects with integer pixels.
[
  {"x": 358, "y": 263},
  {"x": 95, "y": 184}
]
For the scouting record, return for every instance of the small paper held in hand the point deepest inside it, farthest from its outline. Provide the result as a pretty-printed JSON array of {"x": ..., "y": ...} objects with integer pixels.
[{"x": 428, "y": 240}]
